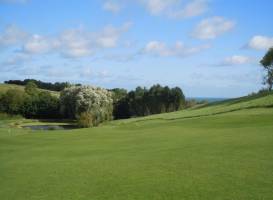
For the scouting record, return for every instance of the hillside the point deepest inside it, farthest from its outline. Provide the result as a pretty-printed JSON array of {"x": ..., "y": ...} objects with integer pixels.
[
  {"x": 220, "y": 151},
  {"x": 5, "y": 87},
  {"x": 231, "y": 105}
]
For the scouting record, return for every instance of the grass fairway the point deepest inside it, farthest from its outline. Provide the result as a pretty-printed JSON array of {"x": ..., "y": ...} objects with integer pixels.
[{"x": 205, "y": 154}]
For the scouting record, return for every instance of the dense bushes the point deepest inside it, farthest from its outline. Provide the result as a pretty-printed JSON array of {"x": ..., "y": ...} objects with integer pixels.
[
  {"x": 142, "y": 101},
  {"x": 30, "y": 103},
  {"x": 87, "y": 104}
]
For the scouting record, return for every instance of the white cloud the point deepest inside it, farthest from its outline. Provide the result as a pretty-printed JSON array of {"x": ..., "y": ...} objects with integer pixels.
[
  {"x": 210, "y": 28},
  {"x": 109, "y": 36},
  {"x": 38, "y": 44},
  {"x": 112, "y": 6},
  {"x": 157, "y": 7},
  {"x": 158, "y": 48},
  {"x": 175, "y": 8},
  {"x": 259, "y": 42},
  {"x": 236, "y": 60},
  {"x": 170, "y": 8},
  {"x": 80, "y": 43},
  {"x": 192, "y": 9},
  {"x": 12, "y": 35},
  {"x": 73, "y": 43},
  {"x": 76, "y": 43}
]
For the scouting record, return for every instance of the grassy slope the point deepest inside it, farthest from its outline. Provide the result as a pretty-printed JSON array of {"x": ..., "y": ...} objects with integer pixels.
[
  {"x": 231, "y": 105},
  {"x": 5, "y": 87},
  {"x": 171, "y": 156}
]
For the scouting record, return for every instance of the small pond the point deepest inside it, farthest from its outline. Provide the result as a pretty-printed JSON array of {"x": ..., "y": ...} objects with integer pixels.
[{"x": 50, "y": 127}]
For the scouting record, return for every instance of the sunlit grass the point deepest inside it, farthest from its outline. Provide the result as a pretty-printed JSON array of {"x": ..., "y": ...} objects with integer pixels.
[{"x": 192, "y": 154}]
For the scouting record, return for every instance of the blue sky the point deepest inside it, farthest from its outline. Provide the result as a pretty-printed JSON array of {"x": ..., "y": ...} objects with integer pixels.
[{"x": 208, "y": 48}]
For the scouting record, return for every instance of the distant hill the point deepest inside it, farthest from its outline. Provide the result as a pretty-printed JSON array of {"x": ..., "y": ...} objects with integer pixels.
[
  {"x": 57, "y": 86},
  {"x": 5, "y": 87}
]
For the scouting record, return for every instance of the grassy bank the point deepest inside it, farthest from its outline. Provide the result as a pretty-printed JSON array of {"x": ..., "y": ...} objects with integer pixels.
[{"x": 5, "y": 87}]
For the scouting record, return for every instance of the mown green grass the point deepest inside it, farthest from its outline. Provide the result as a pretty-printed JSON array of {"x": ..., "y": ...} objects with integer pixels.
[{"x": 195, "y": 154}]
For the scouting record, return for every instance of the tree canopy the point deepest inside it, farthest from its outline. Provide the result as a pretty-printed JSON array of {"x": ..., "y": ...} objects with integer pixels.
[
  {"x": 267, "y": 63},
  {"x": 143, "y": 101}
]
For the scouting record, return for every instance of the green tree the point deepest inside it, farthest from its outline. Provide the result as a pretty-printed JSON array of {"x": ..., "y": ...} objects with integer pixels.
[
  {"x": 12, "y": 101},
  {"x": 48, "y": 106},
  {"x": 267, "y": 63},
  {"x": 118, "y": 93},
  {"x": 142, "y": 101}
]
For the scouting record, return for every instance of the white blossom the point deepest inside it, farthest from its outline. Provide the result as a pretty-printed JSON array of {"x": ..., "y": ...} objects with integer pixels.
[{"x": 94, "y": 100}]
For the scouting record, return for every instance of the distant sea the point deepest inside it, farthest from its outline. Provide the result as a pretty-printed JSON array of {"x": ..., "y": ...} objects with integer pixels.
[{"x": 208, "y": 99}]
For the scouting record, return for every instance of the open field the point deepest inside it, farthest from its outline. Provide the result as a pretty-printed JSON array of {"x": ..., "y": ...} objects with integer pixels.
[{"x": 221, "y": 151}]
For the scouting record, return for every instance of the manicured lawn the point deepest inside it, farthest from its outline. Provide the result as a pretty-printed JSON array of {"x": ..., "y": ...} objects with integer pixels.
[{"x": 223, "y": 156}]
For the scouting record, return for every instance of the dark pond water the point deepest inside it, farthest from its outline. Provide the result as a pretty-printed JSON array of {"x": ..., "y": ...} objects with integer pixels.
[{"x": 50, "y": 127}]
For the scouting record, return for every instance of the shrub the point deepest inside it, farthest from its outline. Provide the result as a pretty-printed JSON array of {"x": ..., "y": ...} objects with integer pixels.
[
  {"x": 85, "y": 120},
  {"x": 86, "y": 99}
]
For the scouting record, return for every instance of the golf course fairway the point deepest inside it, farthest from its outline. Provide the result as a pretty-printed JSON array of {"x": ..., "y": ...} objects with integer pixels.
[{"x": 223, "y": 151}]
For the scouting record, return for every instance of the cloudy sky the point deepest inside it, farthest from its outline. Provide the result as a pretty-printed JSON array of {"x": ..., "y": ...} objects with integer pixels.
[{"x": 209, "y": 48}]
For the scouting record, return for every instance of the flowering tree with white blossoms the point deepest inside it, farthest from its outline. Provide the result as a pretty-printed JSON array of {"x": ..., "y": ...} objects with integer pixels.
[{"x": 82, "y": 102}]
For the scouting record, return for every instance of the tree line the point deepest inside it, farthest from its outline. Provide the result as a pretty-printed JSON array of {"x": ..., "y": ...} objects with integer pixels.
[
  {"x": 143, "y": 101},
  {"x": 90, "y": 106}
]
